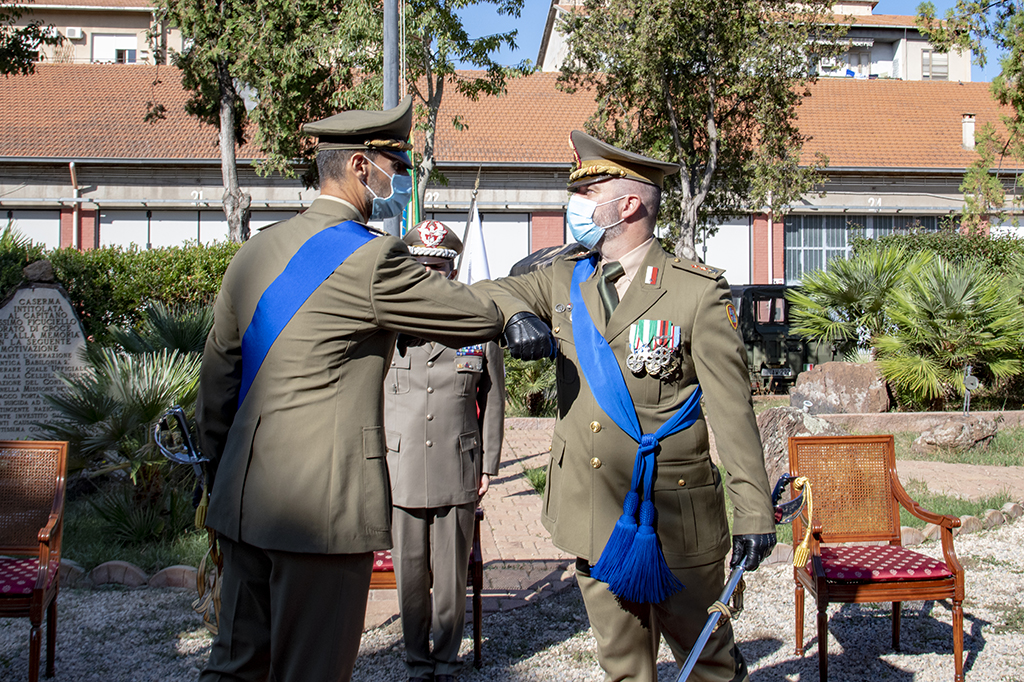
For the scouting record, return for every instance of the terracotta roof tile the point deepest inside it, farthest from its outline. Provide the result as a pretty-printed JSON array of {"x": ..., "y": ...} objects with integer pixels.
[
  {"x": 96, "y": 111},
  {"x": 120, "y": 4},
  {"x": 895, "y": 124}
]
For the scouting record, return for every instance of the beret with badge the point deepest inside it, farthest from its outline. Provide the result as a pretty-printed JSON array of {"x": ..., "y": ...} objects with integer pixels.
[
  {"x": 433, "y": 238},
  {"x": 383, "y": 131},
  {"x": 597, "y": 161}
]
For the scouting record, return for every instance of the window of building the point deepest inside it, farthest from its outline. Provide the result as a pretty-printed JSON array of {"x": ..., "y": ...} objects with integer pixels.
[
  {"x": 125, "y": 56},
  {"x": 934, "y": 66},
  {"x": 813, "y": 241},
  {"x": 119, "y": 48}
]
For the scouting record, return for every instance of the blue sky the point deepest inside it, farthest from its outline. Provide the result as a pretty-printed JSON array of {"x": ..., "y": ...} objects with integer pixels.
[{"x": 482, "y": 19}]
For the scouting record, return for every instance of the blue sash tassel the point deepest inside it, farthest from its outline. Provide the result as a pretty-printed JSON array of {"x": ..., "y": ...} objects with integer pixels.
[
  {"x": 311, "y": 265},
  {"x": 632, "y": 562}
]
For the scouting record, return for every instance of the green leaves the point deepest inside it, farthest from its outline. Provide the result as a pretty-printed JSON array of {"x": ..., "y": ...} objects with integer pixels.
[{"x": 711, "y": 85}]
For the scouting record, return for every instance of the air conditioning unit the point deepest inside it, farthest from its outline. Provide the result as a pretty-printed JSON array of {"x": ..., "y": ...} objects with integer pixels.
[{"x": 73, "y": 33}]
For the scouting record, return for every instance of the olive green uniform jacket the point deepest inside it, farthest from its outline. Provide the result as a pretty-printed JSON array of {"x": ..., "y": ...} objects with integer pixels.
[
  {"x": 592, "y": 459},
  {"x": 300, "y": 466},
  {"x": 437, "y": 445}
]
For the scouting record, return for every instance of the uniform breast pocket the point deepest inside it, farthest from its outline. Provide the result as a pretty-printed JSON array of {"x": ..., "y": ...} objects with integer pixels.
[
  {"x": 397, "y": 380},
  {"x": 468, "y": 370}
]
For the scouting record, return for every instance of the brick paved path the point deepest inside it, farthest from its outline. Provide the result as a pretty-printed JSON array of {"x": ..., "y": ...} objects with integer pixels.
[{"x": 521, "y": 564}]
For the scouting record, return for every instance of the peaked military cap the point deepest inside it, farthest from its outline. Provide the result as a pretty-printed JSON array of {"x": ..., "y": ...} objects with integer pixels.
[
  {"x": 384, "y": 131},
  {"x": 597, "y": 160},
  {"x": 433, "y": 238}
]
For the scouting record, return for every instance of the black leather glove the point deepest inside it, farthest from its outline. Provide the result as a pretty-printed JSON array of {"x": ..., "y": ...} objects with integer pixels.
[
  {"x": 528, "y": 338},
  {"x": 405, "y": 342},
  {"x": 751, "y": 550}
]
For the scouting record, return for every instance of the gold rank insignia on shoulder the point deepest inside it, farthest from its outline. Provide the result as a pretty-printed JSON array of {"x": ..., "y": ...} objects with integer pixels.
[{"x": 652, "y": 344}]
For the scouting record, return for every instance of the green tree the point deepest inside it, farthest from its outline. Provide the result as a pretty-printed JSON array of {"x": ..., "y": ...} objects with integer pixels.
[
  {"x": 287, "y": 59},
  {"x": 982, "y": 189},
  {"x": 435, "y": 42},
  {"x": 19, "y": 45},
  {"x": 945, "y": 318},
  {"x": 848, "y": 304},
  {"x": 712, "y": 86},
  {"x": 969, "y": 25}
]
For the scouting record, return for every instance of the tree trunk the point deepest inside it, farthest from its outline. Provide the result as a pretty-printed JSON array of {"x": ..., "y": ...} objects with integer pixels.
[
  {"x": 236, "y": 202},
  {"x": 686, "y": 244},
  {"x": 435, "y": 92}
]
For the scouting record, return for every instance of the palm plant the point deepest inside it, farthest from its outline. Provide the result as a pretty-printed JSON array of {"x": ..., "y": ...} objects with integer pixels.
[
  {"x": 530, "y": 387},
  {"x": 945, "y": 318},
  {"x": 181, "y": 329},
  {"x": 847, "y": 305}
]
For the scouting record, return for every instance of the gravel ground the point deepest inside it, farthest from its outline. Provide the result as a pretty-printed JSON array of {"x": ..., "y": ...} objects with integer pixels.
[{"x": 152, "y": 635}]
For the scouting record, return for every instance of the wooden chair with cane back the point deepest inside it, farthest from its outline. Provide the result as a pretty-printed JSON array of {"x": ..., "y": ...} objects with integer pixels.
[
  {"x": 855, "y": 543},
  {"x": 31, "y": 522},
  {"x": 383, "y": 578}
]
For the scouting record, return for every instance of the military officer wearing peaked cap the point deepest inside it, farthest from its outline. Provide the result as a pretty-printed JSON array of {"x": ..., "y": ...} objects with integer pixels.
[
  {"x": 444, "y": 412},
  {"x": 290, "y": 404},
  {"x": 644, "y": 499}
]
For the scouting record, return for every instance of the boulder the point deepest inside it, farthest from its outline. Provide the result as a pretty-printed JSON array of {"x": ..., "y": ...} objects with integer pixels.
[
  {"x": 119, "y": 573},
  {"x": 911, "y": 536},
  {"x": 1012, "y": 510},
  {"x": 38, "y": 271},
  {"x": 955, "y": 434},
  {"x": 777, "y": 424},
  {"x": 969, "y": 524},
  {"x": 993, "y": 518},
  {"x": 841, "y": 388}
]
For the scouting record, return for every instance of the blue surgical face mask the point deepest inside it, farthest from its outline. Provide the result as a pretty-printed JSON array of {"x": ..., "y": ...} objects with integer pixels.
[
  {"x": 580, "y": 216},
  {"x": 392, "y": 205}
]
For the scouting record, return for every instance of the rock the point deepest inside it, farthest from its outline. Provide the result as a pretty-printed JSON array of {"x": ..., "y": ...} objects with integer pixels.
[
  {"x": 175, "y": 576},
  {"x": 1012, "y": 510},
  {"x": 841, "y": 388},
  {"x": 956, "y": 434},
  {"x": 118, "y": 572},
  {"x": 911, "y": 536},
  {"x": 782, "y": 554},
  {"x": 71, "y": 573},
  {"x": 993, "y": 518},
  {"x": 970, "y": 524},
  {"x": 932, "y": 531},
  {"x": 777, "y": 425},
  {"x": 39, "y": 271}
]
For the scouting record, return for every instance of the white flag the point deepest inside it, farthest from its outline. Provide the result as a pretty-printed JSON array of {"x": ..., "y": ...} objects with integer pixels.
[{"x": 473, "y": 264}]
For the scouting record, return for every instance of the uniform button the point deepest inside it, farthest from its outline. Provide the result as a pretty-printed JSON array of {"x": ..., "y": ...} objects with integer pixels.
[
  {"x": 430, "y": 363},
  {"x": 430, "y": 417},
  {"x": 430, "y": 443},
  {"x": 430, "y": 389},
  {"x": 675, "y": 260},
  {"x": 595, "y": 426},
  {"x": 555, "y": 330},
  {"x": 682, "y": 482},
  {"x": 596, "y": 463}
]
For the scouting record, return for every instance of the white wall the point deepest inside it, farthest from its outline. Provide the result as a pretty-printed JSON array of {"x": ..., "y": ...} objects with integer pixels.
[
  {"x": 42, "y": 227},
  {"x": 729, "y": 248}
]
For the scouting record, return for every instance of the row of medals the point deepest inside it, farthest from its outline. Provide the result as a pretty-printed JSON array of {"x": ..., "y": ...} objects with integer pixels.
[{"x": 652, "y": 347}]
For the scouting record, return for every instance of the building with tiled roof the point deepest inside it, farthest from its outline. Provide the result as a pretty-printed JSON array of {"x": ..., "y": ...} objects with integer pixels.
[
  {"x": 880, "y": 46},
  {"x": 97, "y": 31},
  {"x": 87, "y": 169}
]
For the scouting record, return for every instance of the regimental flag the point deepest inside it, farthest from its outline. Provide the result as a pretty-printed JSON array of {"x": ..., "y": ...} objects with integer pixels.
[{"x": 473, "y": 263}]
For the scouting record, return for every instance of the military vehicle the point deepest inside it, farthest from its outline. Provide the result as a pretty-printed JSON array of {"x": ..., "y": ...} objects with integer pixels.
[{"x": 775, "y": 355}]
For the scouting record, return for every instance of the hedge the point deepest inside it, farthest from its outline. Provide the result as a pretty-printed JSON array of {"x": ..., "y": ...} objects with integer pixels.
[
  {"x": 957, "y": 248},
  {"x": 113, "y": 285}
]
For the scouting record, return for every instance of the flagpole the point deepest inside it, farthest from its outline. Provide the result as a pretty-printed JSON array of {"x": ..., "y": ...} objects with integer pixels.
[{"x": 469, "y": 219}]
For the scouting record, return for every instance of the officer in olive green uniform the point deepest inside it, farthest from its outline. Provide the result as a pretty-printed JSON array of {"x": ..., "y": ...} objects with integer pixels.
[
  {"x": 290, "y": 405},
  {"x": 444, "y": 411},
  {"x": 675, "y": 327}
]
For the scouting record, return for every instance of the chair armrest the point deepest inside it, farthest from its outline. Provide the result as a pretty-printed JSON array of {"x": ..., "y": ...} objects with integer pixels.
[
  {"x": 46, "y": 531},
  {"x": 944, "y": 520}
]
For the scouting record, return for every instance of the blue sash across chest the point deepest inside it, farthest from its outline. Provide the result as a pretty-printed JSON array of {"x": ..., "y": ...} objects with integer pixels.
[
  {"x": 632, "y": 562},
  {"x": 311, "y": 265}
]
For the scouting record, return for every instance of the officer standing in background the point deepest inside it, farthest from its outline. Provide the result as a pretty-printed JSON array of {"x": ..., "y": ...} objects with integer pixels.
[
  {"x": 631, "y": 489},
  {"x": 290, "y": 405},
  {"x": 444, "y": 411}
]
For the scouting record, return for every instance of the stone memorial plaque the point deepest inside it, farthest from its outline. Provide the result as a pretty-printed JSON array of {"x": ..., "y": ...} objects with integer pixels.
[{"x": 40, "y": 335}]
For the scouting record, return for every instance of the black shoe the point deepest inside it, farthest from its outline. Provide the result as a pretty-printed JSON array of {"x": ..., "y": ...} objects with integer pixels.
[
  {"x": 444, "y": 678},
  {"x": 419, "y": 679}
]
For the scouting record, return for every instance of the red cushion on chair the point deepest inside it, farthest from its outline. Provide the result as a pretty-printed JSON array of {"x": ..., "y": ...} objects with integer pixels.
[
  {"x": 382, "y": 561},
  {"x": 879, "y": 562},
  {"x": 18, "y": 575}
]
